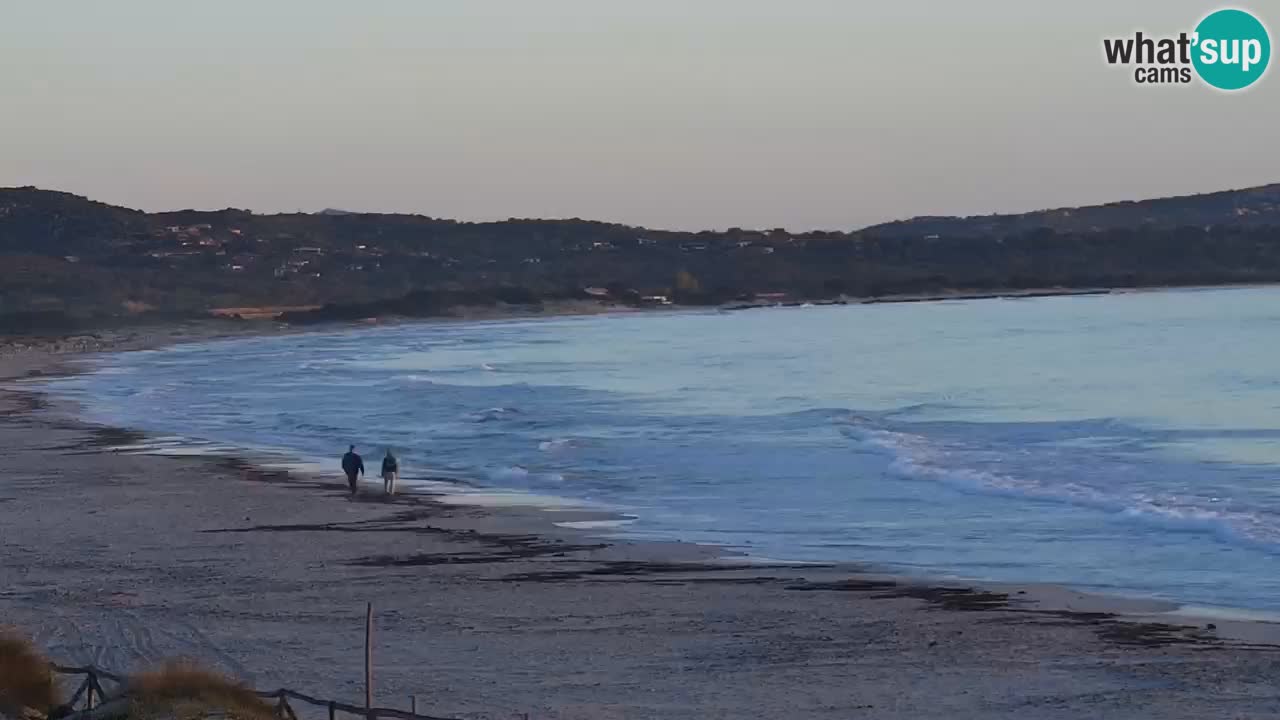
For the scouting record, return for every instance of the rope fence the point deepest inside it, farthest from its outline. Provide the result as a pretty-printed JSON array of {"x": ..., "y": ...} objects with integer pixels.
[{"x": 90, "y": 695}]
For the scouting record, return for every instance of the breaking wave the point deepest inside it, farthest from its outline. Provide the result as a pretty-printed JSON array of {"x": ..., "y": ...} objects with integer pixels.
[
  {"x": 492, "y": 414},
  {"x": 916, "y": 458}
]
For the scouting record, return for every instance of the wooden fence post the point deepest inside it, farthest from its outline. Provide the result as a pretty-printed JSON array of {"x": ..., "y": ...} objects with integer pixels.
[
  {"x": 286, "y": 710},
  {"x": 91, "y": 683},
  {"x": 368, "y": 657},
  {"x": 333, "y": 710},
  {"x": 413, "y": 704}
]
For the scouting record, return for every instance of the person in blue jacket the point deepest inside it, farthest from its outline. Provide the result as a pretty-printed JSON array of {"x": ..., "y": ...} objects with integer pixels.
[{"x": 353, "y": 466}]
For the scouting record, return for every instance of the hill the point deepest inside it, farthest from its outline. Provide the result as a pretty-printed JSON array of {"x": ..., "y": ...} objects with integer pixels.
[
  {"x": 70, "y": 260},
  {"x": 1258, "y": 206}
]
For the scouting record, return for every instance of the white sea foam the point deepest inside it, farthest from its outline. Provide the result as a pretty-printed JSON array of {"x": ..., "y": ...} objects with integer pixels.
[
  {"x": 914, "y": 457},
  {"x": 764, "y": 560},
  {"x": 596, "y": 524},
  {"x": 174, "y": 446},
  {"x": 492, "y": 498},
  {"x": 492, "y": 414},
  {"x": 1209, "y": 612},
  {"x": 514, "y": 473}
]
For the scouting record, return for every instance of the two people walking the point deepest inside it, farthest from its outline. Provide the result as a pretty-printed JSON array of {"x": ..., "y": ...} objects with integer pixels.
[{"x": 353, "y": 466}]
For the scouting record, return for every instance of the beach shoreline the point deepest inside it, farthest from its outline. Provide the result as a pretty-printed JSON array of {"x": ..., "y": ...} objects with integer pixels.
[
  {"x": 220, "y": 323},
  {"x": 125, "y": 558}
]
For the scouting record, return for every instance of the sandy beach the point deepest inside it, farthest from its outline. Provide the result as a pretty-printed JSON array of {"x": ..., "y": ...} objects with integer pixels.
[{"x": 124, "y": 559}]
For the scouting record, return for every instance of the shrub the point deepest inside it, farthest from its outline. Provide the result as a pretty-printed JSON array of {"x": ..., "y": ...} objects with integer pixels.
[
  {"x": 26, "y": 680},
  {"x": 183, "y": 690}
]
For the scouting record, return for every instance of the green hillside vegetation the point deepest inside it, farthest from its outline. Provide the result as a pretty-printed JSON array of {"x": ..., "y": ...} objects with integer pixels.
[{"x": 70, "y": 261}]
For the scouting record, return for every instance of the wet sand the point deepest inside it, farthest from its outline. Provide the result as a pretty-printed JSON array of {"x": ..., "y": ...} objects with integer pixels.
[{"x": 125, "y": 559}]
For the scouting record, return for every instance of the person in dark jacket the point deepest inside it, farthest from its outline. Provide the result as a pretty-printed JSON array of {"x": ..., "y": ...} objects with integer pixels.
[
  {"x": 353, "y": 466},
  {"x": 390, "y": 473}
]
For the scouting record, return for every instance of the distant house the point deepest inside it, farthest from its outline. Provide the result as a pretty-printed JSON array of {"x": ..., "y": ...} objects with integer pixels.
[
  {"x": 596, "y": 291},
  {"x": 309, "y": 250},
  {"x": 655, "y": 299}
]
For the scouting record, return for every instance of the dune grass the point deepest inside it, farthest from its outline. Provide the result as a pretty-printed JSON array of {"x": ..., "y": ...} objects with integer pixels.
[
  {"x": 26, "y": 680},
  {"x": 175, "y": 691},
  {"x": 183, "y": 690}
]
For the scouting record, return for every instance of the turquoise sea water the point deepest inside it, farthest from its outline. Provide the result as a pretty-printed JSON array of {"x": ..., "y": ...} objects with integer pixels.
[{"x": 1126, "y": 443}]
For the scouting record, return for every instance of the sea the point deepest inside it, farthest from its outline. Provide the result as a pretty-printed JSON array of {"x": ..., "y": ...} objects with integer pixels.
[{"x": 1126, "y": 443}]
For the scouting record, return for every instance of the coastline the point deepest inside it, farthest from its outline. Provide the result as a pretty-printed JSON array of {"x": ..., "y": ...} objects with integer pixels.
[
  {"x": 219, "y": 324},
  {"x": 124, "y": 559}
]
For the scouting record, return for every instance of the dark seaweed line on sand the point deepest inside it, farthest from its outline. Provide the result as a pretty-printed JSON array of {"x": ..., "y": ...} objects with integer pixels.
[
  {"x": 1108, "y": 626},
  {"x": 512, "y": 547}
]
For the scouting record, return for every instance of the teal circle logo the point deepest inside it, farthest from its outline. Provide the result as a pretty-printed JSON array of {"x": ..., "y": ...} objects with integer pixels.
[{"x": 1232, "y": 49}]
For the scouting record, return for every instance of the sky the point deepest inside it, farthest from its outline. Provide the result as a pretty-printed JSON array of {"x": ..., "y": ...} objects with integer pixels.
[{"x": 682, "y": 114}]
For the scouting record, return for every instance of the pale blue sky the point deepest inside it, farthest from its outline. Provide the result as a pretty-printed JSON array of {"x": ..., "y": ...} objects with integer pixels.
[{"x": 668, "y": 113}]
